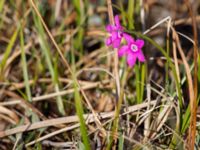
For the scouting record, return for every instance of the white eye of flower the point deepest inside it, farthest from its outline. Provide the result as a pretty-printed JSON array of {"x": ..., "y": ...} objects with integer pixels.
[
  {"x": 119, "y": 34},
  {"x": 134, "y": 48}
]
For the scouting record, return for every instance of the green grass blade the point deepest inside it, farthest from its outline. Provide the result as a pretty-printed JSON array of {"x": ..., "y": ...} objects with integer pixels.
[
  {"x": 137, "y": 83},
  {"x": 79, "y": 111},
  {"x": 121, "y": 142},
  {"x": 115, "y": 125},
  {"x": 1, "y": 5},
  {"x": 8, "y": 51},
  {"x": 143, "y": 75},
  {"x": 2, "y": 2},
  {"x": 186, "y": 118},
  {"x": 46, "y": 51},
  {"x": 167, "y": 65},
  {"x": 24, "y": 66},
  {"x": 130, "y": 14},
  {"x": 123, "y": 12},
  {"x": 79, "y": 107}
]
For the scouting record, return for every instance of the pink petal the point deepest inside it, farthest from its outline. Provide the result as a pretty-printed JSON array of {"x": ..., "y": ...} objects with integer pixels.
[
  {"x": 114, "y": 35},
  {"x": 131, "y": 59},
  {"x": 128, "y": 38},
  {"x": 116, "y": 43},
  {"x": 117, "y": 22},
  {"x": 140, "y": 56},
  {"x": 110, "y": 28},
  {"x": 122, "y": 51},
  {"x": 139, "y": 43},
  {"x": 108, "y": 41}
]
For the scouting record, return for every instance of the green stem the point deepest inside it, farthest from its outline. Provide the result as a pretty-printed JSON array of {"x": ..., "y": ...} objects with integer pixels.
[{"x": 24, "y": 66}]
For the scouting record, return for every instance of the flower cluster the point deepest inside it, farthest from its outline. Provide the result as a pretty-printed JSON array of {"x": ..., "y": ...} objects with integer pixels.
[{"x": 133, "y": 48}]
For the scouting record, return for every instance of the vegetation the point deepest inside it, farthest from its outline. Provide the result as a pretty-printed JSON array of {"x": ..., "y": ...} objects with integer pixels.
[{"x": 64, "y": 86}]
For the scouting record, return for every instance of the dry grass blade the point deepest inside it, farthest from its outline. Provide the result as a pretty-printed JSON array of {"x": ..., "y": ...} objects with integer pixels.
[
  {"x": 176, "y": 59},
  {"x": 71, "y": 119},
  {"x": 191, "y": 88},
  {"x": 23, "y": 103},
  {"x": 193, "y": 103},
  {"x": 186, "y": 21},
  {"x": 8, "y": 115},
  {"x": 86, "y": 86},
  {"x": 148, "y": 119},
  {"x": 157, "y": 24},
  {"x": 16, "y": 86},
  {"x": 162, "y": 117},
  {"x": 110, "y": 12},
  {"x": 53, "y": 134},
  {"x": 187, "y": 68},
  {"x": 59, "y": 144}
]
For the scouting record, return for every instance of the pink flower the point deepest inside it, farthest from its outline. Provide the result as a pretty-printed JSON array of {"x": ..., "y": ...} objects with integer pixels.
[
  {"x": 116, "y": 32},
  {"x": 132, "y": 50}
]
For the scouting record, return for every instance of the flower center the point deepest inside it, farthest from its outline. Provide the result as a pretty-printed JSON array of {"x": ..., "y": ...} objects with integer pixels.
[
  {"x": 134, "y": 48},
  {"x": 119, "y": 34}
]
